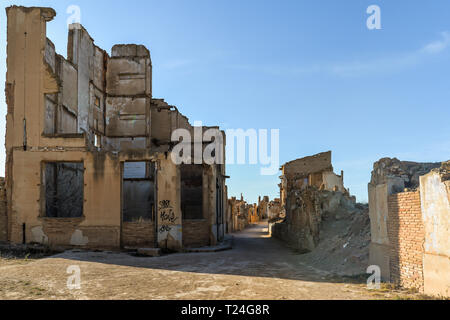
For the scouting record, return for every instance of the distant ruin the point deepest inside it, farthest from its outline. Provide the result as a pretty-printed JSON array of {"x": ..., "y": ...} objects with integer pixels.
[{"x": 308, "y": 189}]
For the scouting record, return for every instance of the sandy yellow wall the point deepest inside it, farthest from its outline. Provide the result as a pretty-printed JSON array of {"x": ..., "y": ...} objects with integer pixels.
[
  {"x": 436, "y": 218},
  {"x": 169, "y": 217},
  {"x": 101, "y": 208}
]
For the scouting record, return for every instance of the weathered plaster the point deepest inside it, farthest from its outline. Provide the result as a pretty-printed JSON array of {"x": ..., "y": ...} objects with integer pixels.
[
  {"x": 78, "y": 239},
  {"x": 57, "y": 108},
  {"x": 38, "y": 235},
  {"x": 436, "y": 218}
]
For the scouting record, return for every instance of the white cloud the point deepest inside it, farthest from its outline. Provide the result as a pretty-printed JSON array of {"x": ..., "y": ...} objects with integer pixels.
[
  {"x": 394, "y": 62},
  {"x": 356, "y": 68},
  {"x": 438, "y": 45}
]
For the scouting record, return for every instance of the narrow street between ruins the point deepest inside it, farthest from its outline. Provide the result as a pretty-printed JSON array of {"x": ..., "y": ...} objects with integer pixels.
[
  {"x": 129, "y": 175},
  {"x": 258, "y": 267}
]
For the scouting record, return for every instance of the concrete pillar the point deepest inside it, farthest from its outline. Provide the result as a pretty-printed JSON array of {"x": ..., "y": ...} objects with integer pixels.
[{"x": 169, "y": 217}]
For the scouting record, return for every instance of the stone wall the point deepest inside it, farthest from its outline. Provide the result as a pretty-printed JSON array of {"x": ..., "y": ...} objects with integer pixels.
[
  {"x": 406, "y": 236},
  {"x": 239, "y": 212},
  {"x": 274, "y": 209},
  {"x": 304, "y": 166}
]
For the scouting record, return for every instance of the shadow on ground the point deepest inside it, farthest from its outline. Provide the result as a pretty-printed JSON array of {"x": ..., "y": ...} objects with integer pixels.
[{"x": 254, "y": 254}]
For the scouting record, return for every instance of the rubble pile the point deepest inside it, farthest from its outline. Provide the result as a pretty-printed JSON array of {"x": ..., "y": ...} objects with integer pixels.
[
  {"x": 322, "y": 220},
  {"x": 344, "y": 239},
  {"x": 329, "y": 229}
]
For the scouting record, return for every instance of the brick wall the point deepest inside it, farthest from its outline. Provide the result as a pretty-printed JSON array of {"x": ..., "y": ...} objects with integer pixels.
[
  {"x": 138, "y": 234},
  {"x": 3, "y": 215},
  {"x": 406, "y": 237},
  {"x": 60, "y": 231},
  {"x": 195, "y": 233}
]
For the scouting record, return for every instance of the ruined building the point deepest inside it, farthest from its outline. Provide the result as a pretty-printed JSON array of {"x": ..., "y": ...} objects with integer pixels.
[
  {"x": 263, "y": 207},
  {"x": 315, "y": 170},
  {"x": 274, "y": 209},
  {"x": 309, "y": 188},
  {"x": 238, "y": 214},
  {"x": 88, "y": 148},
  {"x": 253, "y": 216},
  {"x": 409, "y": 206}
]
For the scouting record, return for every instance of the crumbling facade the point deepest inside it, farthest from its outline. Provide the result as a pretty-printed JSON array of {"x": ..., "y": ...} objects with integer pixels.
[
  {"x": 274, "y": 209},
  {"x": 308, "y": 189},
  {"x": 410, "y": 218},
  {"x": 253, "y": 214},
  {"x": 88, "y": 148},
  {"x": 263, "y": 207},
  {"x": 313, "y": 171},
  {"x": 239, "y": 214}
]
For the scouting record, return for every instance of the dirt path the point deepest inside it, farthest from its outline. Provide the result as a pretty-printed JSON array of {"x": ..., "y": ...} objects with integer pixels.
[{"x": 258, "y": 267}]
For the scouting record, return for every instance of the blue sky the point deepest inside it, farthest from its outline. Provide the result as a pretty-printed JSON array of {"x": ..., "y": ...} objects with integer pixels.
[{"x": 309, "y": 68}]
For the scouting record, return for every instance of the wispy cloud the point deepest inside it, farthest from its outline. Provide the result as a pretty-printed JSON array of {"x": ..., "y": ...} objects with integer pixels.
[
  {"x": 393, "y": 62},
  {"x": 439, "y": 45},
  {"x": 376, "y": 66},
  {"x": 356, "y": 68}
]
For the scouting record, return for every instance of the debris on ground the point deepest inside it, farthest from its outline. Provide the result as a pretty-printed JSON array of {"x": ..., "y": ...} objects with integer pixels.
[{"x": 343, "y": 247}]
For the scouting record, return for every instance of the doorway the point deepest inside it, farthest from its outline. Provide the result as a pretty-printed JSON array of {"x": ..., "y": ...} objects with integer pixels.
[{"x": 138, "y": 204}]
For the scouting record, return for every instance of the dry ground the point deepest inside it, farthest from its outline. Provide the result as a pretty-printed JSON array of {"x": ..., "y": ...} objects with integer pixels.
[{"x": 258, "y": 267}]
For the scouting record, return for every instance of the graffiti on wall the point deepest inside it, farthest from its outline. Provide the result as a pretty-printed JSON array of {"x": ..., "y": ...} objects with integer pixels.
[{"x": 166, "y": 215}]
